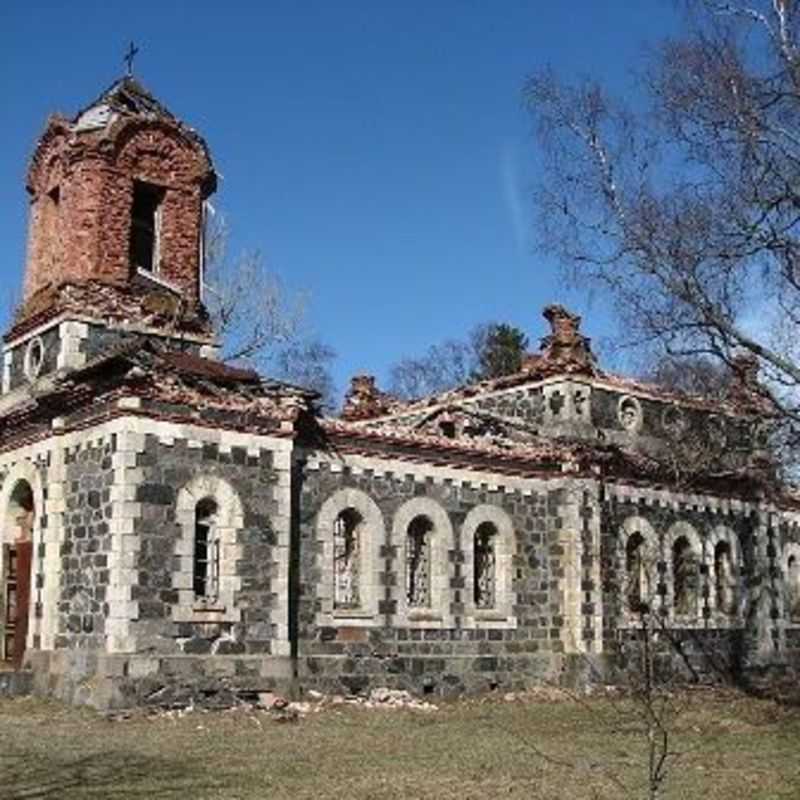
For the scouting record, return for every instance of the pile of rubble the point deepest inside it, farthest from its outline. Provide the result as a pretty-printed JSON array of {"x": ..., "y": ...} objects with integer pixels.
[
  {"x": 378, "y": 698},
  {"x": 280, "y": 708}
]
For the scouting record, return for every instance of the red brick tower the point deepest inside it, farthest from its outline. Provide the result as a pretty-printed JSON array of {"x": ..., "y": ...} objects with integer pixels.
[{"x": 115, "y": 237}]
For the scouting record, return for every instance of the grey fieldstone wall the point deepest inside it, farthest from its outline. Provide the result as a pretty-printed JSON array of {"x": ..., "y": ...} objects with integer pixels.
[
  {"x": 705, "y": 649},
  {"x": 87, "y": 541},
  {"x": 101, "y": 340},
  {"x": 51, "y": 345},
  {"x": 604, "y": 411},
  {"x": 446, "y": 660},
  {"x": 525, "y": 404},
  {"x": 166, "y": 469},
  {"x": 790, "y": 536}
]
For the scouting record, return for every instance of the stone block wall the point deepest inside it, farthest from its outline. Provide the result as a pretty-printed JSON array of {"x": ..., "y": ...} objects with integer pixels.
[
  {"x": 164, "y": 626},
  {"x": 71, "y": 344},
  {"x": 713, "y": 642},
  {"x": 14, "y": 371},
  {"x": 86, "y": 546},
  {"x": 458, "y": 651},
  {"x": 116, "y": 623}
]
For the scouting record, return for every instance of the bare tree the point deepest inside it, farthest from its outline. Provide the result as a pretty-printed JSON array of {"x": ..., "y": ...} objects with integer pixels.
[
  {"x": 489, "y": 350},
  {"x": 444, "y": 366},
  {"x": 698, "y": 376},
  {"x": 259, "y": 321},
  {"x": 686, "y": 210},
  {"x": 306, "y": 362}
]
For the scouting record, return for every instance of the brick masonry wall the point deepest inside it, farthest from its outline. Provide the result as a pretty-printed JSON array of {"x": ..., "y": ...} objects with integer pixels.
[{"x": 87, "y": 235}]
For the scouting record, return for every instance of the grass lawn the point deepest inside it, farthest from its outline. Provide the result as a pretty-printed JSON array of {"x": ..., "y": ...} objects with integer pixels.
[{"x": 731, "y": 747}]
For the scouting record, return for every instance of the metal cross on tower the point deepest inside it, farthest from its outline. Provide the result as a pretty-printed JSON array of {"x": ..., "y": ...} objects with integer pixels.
[{"x": 129, "y": 56}]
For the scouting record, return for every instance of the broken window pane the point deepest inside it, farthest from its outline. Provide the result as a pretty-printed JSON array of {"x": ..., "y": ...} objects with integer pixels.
[
  {"x": 485, "y": 556},
  {"x": 793, "y": 579},
  {"x": 205, "y": 568},
  {"x": 418, "y": 556},
  {"x": 685, "y": 576},
  {"x": 556, "y": 403},
  {"x": 637, "y": 574},
  {"x": 346, "y": 547},
  {"x": 724, "y": 580}
]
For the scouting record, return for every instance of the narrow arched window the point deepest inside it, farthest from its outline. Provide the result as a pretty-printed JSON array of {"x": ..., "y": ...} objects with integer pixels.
[
  {"x": 637, "y": 575},
  {"x": 205, "y": 571},
  {"x": 346, "y": 548},
  {"x": 793, "y": 587},
  {"x": 724, "y": 580},
  {"x": 485, "y": 566},
  {"x": 418, "y": 561},
  {"x": 685, "y": 577}
]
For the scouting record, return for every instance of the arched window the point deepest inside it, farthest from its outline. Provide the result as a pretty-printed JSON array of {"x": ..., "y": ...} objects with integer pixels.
[
  {"x": 350, "y": 532},
  {"x": 205, "y": 572},
  {"x": 346, "y": 556},
  {"x": 685, "y": 576},
  {"x": 145, "y": 233},
  {"x": 209, "y": 514},
  {"x": 793, "y": 586},
  {"x": 637, "y": 574},
  {"x": 418, "y": 562},
  {"x": 724, "y": 579},
  {"x": 485, "y": 566}
]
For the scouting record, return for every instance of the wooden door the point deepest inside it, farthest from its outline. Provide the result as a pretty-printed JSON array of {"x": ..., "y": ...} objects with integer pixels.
[{"x": 16, "y": 596}]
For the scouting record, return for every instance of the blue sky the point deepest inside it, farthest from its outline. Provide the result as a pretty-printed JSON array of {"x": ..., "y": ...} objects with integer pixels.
[{"x": 376, "y": 152}]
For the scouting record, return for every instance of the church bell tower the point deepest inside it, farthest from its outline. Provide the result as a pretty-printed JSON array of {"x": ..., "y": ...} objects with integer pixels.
[{"x": 115, "y": 241}]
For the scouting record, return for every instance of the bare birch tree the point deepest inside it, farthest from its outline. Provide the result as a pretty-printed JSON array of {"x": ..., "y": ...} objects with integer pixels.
[{"x": 686, "y": 209}]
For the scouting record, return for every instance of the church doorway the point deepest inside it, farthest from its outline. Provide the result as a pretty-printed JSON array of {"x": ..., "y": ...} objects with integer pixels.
[{"x": 16, "y": 560}]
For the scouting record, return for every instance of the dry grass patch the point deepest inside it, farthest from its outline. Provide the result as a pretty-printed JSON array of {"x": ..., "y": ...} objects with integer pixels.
[{"x": 731, "y": 747}]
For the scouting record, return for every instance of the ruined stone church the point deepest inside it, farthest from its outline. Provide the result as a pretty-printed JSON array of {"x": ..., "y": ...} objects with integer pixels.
[{"x": 172, "y": 526}]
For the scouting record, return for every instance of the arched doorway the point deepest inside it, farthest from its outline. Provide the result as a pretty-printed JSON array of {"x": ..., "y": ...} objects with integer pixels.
[{"x": 17, "y": 538}]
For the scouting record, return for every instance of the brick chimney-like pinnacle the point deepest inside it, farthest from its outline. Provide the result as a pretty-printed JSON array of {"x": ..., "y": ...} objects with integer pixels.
[
  {"x": 364, "y": 400},
  {"x": 566, "y": 346}
]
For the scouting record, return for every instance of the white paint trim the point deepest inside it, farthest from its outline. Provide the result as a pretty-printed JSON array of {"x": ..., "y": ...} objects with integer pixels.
[{"x": 421, "y": 473}]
